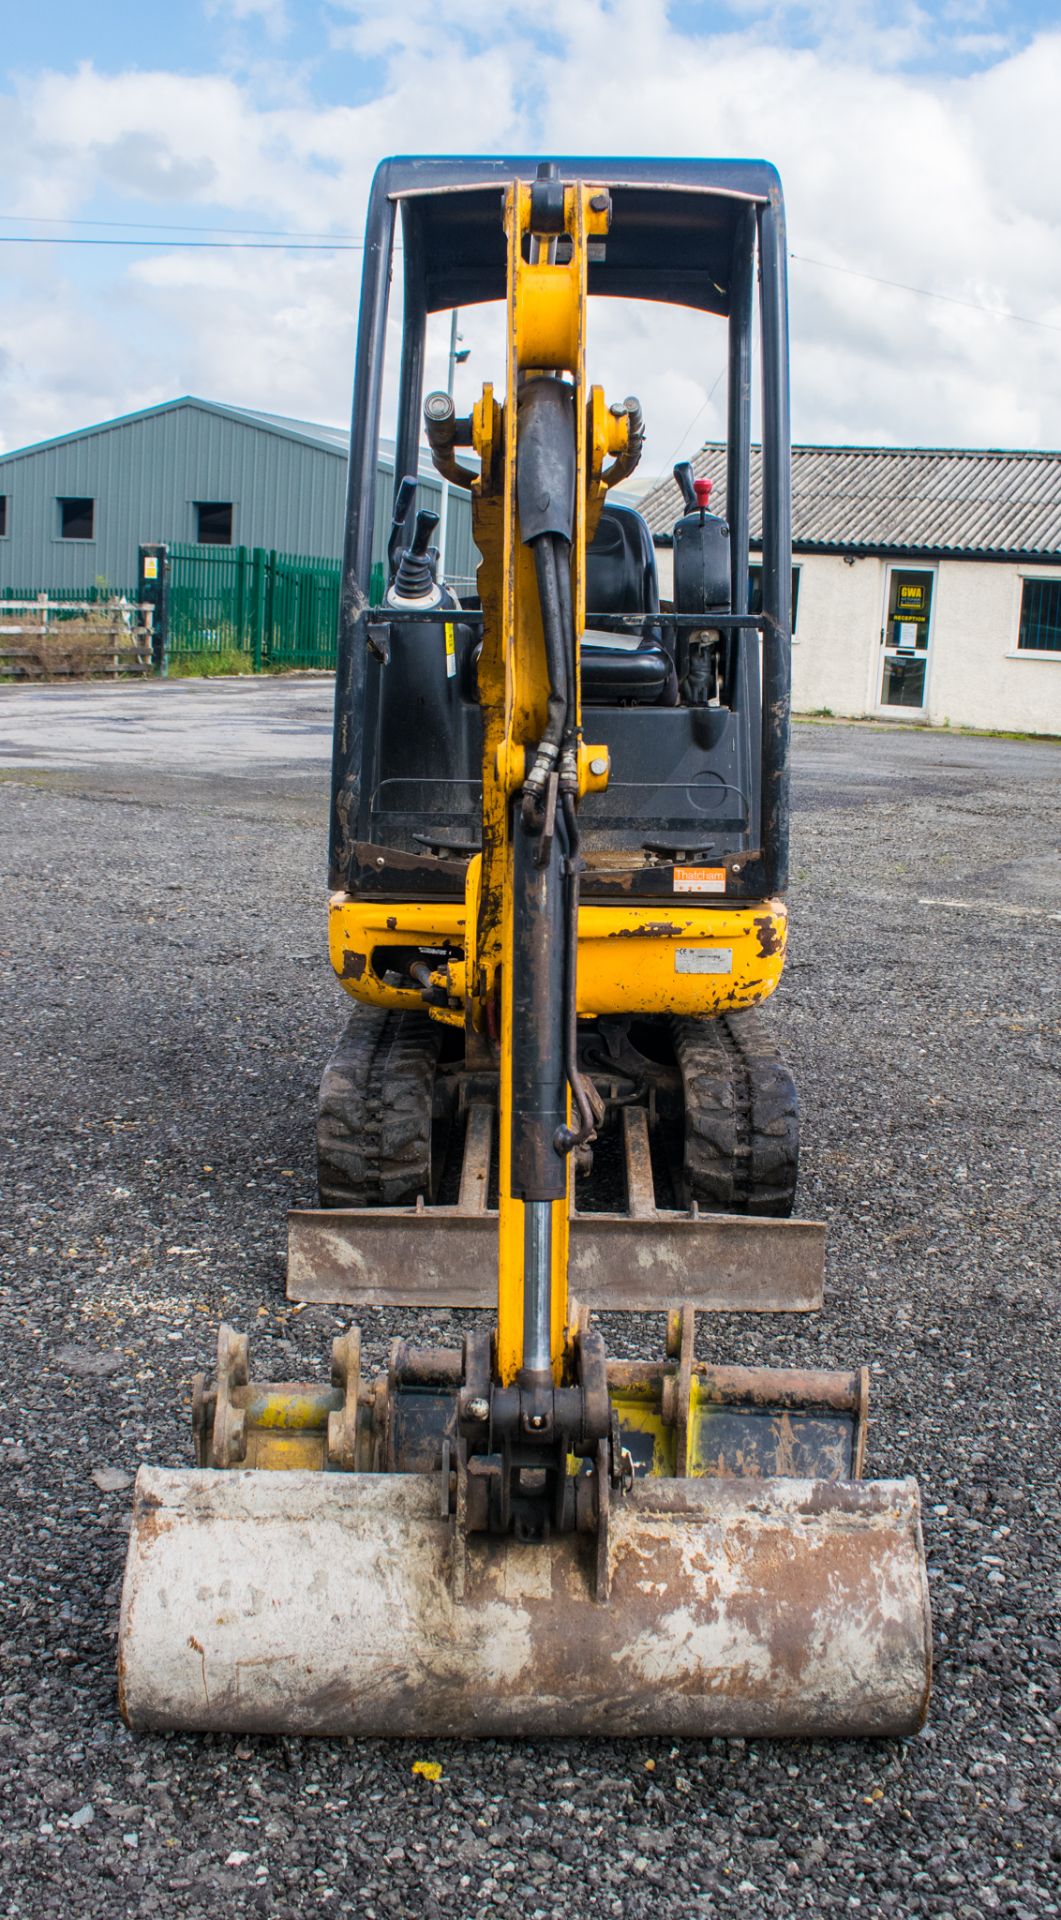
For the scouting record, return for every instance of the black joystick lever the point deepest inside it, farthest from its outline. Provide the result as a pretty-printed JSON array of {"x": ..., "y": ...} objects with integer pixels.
[
  {"x": 403, "y": 500},
  {"x": 683, "y": 473},
  {"x": 415, "y": 578}
]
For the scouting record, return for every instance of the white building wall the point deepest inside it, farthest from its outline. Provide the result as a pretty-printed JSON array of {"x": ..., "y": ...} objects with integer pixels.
[
  {"x": 976, "y": 677},
  {"x": 837, "y": 634}
]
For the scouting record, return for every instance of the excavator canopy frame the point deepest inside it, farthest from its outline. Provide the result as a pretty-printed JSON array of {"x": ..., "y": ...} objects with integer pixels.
[{"x": 687, "y": 232}]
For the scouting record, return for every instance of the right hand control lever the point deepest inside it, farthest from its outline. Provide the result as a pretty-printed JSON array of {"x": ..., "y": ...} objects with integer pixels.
[{"x": 683, "y": 473}]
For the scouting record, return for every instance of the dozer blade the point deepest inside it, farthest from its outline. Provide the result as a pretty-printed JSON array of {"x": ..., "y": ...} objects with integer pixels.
[
  {"x": 324, "y": 1603},
  {"x": 638, "y": 1261},
  {"x": 621, "y": 1263}
]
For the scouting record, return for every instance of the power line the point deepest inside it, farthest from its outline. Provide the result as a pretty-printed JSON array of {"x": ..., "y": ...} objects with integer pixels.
[
  {"x": 280, "y": 240},
  {"x": 701, "y": 409},
  {"x": 165, "y": 226},
  {"x": 186, "y": 246},
  {"x": 927, "y": 293}
]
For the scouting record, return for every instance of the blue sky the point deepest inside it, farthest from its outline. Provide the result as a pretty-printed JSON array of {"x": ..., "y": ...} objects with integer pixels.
[
  {"x": 919, "y": 145},
  {"x": 189, "y": 37}
]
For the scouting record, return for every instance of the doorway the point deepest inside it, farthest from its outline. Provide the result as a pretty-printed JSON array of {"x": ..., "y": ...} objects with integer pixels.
[{"x": 905, "y": 636}]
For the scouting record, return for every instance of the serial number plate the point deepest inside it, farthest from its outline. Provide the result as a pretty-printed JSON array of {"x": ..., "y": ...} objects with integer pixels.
[{"x": 703, "y": 960}]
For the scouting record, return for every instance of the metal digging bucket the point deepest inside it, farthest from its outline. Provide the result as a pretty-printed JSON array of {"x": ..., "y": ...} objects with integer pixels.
[
  {"x": 324, "y": 1603},
  {"x": 712, "y": 1562}
]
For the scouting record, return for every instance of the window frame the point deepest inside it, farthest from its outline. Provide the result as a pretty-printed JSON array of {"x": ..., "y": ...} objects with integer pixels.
[
  {"x": 213, "y": 506},
  {"x": 1019, "y": 651},
  {"x": 64, "y": 500},
  {"x": 756, "y": 567},
  {"x": 5, "y": 528}
]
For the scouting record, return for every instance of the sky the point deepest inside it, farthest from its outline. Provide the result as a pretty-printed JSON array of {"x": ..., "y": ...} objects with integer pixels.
[{"x": 919, "y": 146}]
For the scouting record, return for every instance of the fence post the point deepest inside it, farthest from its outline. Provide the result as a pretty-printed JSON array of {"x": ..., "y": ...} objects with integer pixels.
[
  {"x": 153, "y": 591},
  {"x": 308, "y": 610},
  {"x": 258, "y": 591},
  {"x": 240, "y": 622},
  {"x": 266, "y": 650}
]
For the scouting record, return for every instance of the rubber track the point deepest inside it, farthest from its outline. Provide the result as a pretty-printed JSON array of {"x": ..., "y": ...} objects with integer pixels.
[
  {"x": 374, "y": 1111},
  {"x": 741, "y": 1117}
]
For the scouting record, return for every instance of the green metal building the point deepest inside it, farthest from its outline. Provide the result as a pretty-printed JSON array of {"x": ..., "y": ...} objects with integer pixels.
[{"x": 75, "y": 510}]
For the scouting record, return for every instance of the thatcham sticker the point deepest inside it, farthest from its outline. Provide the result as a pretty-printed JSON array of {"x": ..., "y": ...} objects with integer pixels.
[
  {"x": 703, "y": 959},
  {"x": 699, "y": 879}
]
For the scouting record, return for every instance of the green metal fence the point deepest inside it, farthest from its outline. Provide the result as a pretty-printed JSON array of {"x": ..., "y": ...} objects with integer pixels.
[
  {"x": 277, "y": 609},
  {"x": 281, "y": 609}
]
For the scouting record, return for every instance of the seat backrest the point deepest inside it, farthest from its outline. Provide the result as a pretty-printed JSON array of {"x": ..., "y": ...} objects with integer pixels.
[{"x": 621, "y": 564}]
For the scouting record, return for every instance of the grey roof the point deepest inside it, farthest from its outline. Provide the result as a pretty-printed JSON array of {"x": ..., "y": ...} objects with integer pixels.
[
  {"x": 335, "y": 439},
  {"x": 332, "y": 439},
  {"x": 923, "y": 500},
  {"x": 329, "y": 439}
]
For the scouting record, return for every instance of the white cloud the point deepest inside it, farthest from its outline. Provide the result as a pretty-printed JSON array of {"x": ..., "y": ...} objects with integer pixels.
[
  {"x": 271, "y": 13},
  {"x": 267, "y": 330},
  {"x": 910, "y": 173}
]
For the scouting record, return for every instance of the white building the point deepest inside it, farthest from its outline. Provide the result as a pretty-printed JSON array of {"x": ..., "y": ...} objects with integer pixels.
[{"x": 927, "y": 581}]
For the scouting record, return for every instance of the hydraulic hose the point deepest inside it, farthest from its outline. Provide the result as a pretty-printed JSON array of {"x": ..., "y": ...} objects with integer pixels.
[
  {"x": 552, "y": 556},
  {"x": 545, "y": 498},
  {"x": 569, "y": 761},
  {"x": 552, "y": 567},
  {"x": 587, "y": 1101},
  {"x": 552, "y": 561}
]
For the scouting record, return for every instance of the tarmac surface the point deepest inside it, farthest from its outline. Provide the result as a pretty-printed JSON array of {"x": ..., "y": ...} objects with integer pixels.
[{"x": 167, "y": 1009}]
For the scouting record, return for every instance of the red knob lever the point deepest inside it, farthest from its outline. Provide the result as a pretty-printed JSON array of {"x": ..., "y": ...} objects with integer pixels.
[{"x": 702, "y": 490}]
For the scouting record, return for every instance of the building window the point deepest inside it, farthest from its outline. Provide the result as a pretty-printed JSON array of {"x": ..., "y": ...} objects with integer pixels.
[
  {"x": 755, "y": 592},
  {"x": 214, "y": 523},
  {"x": 77, "y": 519},
  {"x": 3, "y": 515},
  {"x": 1040, "y": 617}
]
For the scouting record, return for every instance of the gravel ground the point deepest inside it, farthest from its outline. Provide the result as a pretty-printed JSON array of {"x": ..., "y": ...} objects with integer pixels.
[{"x": 168, "y": 1008}]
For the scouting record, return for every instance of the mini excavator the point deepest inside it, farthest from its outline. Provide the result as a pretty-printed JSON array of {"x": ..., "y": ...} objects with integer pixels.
[{"x": 558, "y": 867}]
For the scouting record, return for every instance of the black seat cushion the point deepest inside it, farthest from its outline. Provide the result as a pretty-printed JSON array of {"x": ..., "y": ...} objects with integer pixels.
[
  {"x": 618, "y": 667},
  {"x": 621, "y": 579}
]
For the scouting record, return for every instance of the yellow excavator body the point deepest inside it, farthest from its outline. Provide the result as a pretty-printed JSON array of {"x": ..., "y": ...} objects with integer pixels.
[
  {"x": 525, "y": 1536},
  {"x": 732, "y": 957}
]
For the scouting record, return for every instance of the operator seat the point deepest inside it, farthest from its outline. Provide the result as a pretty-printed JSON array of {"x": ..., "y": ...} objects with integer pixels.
[{"x": 623, "y": 668}]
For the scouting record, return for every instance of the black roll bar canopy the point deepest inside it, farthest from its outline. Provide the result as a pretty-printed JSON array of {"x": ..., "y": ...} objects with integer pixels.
[{"x": 683, "y": 231}]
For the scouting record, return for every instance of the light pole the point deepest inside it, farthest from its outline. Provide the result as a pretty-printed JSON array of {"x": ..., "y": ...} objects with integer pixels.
[{"x": 457, "y": 356}]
